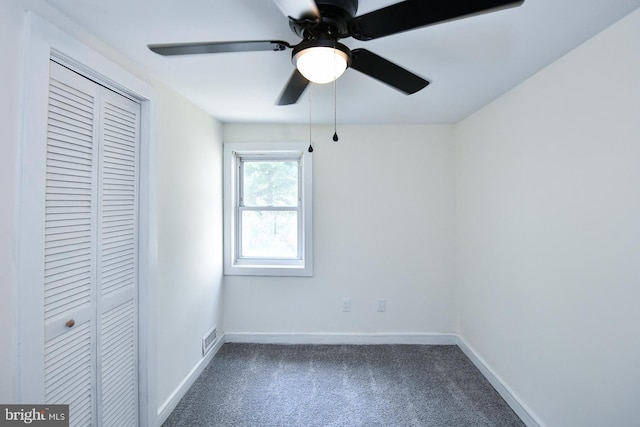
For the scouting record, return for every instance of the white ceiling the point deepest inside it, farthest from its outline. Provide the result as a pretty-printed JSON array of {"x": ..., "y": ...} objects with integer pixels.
[{"x": 469, "y": 62}]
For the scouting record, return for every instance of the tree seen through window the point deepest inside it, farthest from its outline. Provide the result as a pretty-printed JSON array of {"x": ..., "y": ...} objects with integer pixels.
[{"x": 270, "y": 209}]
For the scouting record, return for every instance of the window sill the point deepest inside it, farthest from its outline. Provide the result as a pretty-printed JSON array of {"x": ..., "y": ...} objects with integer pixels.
[{"x": 269, "y": 270}]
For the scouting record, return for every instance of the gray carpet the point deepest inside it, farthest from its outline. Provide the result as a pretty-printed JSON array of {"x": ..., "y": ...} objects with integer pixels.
[{"x": 250, "y": 385}]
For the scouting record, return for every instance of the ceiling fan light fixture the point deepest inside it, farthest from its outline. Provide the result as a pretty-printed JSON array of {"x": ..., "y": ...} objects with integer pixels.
[{"x": 321, "y": 63}]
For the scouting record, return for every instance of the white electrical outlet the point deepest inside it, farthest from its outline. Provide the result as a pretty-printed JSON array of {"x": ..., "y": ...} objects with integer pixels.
[
  {"x": 382, "y": 305},
  {"x": 346, "y": 304}
]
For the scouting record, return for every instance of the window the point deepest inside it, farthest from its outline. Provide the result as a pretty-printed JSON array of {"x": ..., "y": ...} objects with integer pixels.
[{"x": 267, "y": 209}]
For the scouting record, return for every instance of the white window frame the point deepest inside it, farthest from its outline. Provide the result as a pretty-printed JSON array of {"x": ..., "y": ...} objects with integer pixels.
[{"x": 302, "y": 265}]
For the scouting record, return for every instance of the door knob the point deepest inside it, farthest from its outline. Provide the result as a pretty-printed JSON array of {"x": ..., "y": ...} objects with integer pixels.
[{"x": 70, "y": 323}]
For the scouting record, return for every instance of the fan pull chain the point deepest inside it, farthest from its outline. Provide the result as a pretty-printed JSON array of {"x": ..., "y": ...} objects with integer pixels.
[
  {"x": 335, "y": 102},
  {"x": 335, "y": 113},
  {"x": 310, "y": 146}
]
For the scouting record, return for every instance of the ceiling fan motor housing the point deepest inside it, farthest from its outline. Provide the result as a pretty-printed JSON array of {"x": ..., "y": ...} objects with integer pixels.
[
  {"x": 333, "y": 22},
  {"x": 350, "y": 7}
]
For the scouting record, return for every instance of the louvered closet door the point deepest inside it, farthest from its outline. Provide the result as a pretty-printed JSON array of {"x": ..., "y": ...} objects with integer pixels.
[
  {"x": 117, "y": 262},
  {"x": 91, "y": 251},
  {"x": 70, "y": 244}
]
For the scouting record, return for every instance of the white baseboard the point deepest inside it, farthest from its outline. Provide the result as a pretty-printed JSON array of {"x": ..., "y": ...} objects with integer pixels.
[
  {"x": 172, "y": 401},
  {"x": 525, "y": 414},
  {"x": 340, "y": 338}
]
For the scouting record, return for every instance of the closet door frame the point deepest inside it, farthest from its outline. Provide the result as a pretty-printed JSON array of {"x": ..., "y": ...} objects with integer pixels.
[{"x": 43, "y": 42}]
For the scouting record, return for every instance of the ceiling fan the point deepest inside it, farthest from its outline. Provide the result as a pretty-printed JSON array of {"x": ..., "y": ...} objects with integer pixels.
[{"x": 321, "y": 58}]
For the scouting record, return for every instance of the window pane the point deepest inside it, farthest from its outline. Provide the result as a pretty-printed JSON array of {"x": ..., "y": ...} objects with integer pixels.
[
  {"x": 273, "y": 183},
  {"x": 270, "y": 234}
]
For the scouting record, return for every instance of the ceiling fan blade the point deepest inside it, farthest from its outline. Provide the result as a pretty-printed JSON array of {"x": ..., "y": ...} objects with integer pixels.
[
  {"x": 218, "y": 47},
  {"x": 293, "y": 90},
  {"x": 299, "y": 9},
  {"x": 411, "y": 14},
  {"x": 387, "y": 72}
]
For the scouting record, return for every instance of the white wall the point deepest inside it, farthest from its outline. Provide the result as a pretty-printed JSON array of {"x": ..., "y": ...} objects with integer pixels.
[
  {"x": 548, "y": 217},
  {"x": 383, "y": 226},
  {"x": 188, "y": 141},
  {"x": 190, "y": 238},
  {"x": 10, "y": 69}
]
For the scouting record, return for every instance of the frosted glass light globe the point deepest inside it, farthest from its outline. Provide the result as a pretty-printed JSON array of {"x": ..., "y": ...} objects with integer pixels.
[{"x": 321, "y": 64}]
